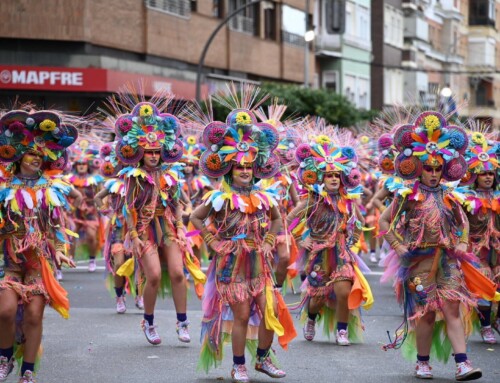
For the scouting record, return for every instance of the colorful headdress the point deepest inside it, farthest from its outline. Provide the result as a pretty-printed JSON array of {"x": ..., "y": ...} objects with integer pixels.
[
  {"x": 481, "y": 156},
  {"x": 325, "y": 155},
  {"x": 110, "y": 166},
  {"x": 145, "y": 128},
  {"x": 191, "y": 150},
  {"x": 387, "y": 153},
  {"x": 431, "y": 141},
  {"x": 83, "y": 152},
  {"x": 241, "y": 139},
  {"x": 42, "y": 132}
]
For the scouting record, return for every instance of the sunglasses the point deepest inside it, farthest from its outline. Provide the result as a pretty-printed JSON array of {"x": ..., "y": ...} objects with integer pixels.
[
  {"x": 491, "y": 174},
  {"x": 430, "y": 169}
]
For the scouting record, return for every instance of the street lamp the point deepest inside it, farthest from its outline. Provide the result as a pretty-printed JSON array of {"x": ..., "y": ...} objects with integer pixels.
[
  {"x": 308, "y": 37},
  {"x": 446, "y": 92}
]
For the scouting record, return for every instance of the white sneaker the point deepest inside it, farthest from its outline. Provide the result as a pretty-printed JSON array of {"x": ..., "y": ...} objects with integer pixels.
[
  {"x": 27, "y": 377},
  {"x": 121, "y": 308},
  {"x": 150, "y": 332},
  {"x": 309, "y": 329},
  {"x": 6, "y": 367},
  {"x": 239, "y": 374},
  {"x": 343, "y": 338},
  {"x": 373, "y": 257},
  {"x": 183, "y": 331},
  {"x": 423, "y": 370},
  {"x": 488, "y": 335},
  {"x": 139, "y": 302},
  {"x": 92, "y": 266},
  {"x": 466, "y": 372},
  {"x": 59, "y": 275},
  {"x": 266, "y": 366}
]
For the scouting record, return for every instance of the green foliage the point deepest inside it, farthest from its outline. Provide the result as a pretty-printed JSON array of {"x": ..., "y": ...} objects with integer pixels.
[{"x": 334, "y": 108}]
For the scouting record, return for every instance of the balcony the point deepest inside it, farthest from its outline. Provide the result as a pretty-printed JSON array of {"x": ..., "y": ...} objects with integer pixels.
[
  {"x": 415, "y": 27},
  {"x": 482, "y": 12},
  {"x": 481, "y": 52}
]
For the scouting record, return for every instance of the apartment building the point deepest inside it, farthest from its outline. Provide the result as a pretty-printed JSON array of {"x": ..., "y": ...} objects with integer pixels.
[
  {"x": 73, "y": 53},
  {"x": 343, "y": 61}
]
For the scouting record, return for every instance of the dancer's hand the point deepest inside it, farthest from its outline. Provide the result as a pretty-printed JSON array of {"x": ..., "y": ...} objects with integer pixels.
[
  {"x": 461, "y": 247},
  {"x": 181, "y": 236},
  {"x": 401, "y": 250},
  {"x": 61, "y": 258},
  {"x": 306, "y": 243},
  {"x": 137, "y": 246},
  {"x": 267, "y": 250}
]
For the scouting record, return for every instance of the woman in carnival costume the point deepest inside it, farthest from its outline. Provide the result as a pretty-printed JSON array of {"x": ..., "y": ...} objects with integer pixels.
[
  {"x": 33, "y": 236},
  {"x": 148, "y": 143},
  {"x": 86, "y": 218},
  {"x": 428, "y": 232},
  {"x": 240, "y": 300},
  {"x": 325, "y": 224},
  {"x": 482, "y": 203},
  {"x": 114, "y": 251},
  {"x": 194, "y": 185},
  {"x": 289, "y": 139}
]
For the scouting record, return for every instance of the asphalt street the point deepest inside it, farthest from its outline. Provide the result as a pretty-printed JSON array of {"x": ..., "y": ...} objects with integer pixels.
[{"x": 98, "y": 345}]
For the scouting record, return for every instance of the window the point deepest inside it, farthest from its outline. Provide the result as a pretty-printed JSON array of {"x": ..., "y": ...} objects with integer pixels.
[
  {"x": 482, "y": 12},
  {"x": 218, "y": 8},
  {"x": 294, "y": 25},
  {"x": 176, "y": 7},
  {"x": 244, "y": 21},
  {"x": 330, "y": 80},
  {"x": 269, "y": 21}
]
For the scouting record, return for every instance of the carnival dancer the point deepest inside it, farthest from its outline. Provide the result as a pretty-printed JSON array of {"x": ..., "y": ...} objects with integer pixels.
[
  {"x": 325, "y": 224},
  {"x": 148, "y": 143},
  {"x": 482, "y": 205},
  {"x": 33, "y": 236},
  {"x": 240, "y": 299},
  {"x": 289, "y": 139},
  {"x": 86, "y": 218},
  {"x": 428, "y": 231}
]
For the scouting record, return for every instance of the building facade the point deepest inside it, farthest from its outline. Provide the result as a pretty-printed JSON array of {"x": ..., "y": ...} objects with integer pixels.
[
  {"x": 343, "y": 61},
  {"x": 73, "y": 53}
]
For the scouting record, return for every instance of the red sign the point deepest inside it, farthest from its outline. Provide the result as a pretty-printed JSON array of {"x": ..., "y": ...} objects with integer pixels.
[{"x": 89, "y": 80}]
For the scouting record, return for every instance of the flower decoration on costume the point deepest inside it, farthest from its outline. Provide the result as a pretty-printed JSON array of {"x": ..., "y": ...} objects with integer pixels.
[
  {"x": 325, "y": 155},
  {"x": 43, "y": 133},
  {"x": 191, "y": 151},
  {"x": 109, "y": 165},
  {"x": 240, "y": 140},
  {"x": 481, "y": 156},
  {"x": 387, "y": 153},
  {"x": 430, "y": 140},
  {"x": 146, "y": 128}
]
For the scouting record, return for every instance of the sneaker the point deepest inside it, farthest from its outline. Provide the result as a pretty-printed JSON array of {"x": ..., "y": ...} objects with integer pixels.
[
  {"x": 27, "y": 377},
  {"x": 120, "y": 305},
  {"x": 183, "y": 332},
  {"x": 92, "y": 266},
  {"x": 373, "y": 257},
  {"x": 496, "y": 325},
  {"x": 266, "y": 366},
  {"x": 466, "y": 372},
  {"x": 488, "y": 335},
  {"x": 139, "y": 302},
  {"x": 150, "y": 332},
  {"x": 6, "y": 367},
  {"x": 343, "y": 338},
  {"x": 309, "y": 330},
  {"x": 239, "y": 373},
  {"x": 423, "y": 370},
  {"x": 59, "y": 275}
]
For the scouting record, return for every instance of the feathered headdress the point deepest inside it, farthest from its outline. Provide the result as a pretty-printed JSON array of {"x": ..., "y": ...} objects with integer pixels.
[
  {"x": 44, "y": 133},
  {"x": 430, "y": 140},
  {"x": 331, "y": 151}
]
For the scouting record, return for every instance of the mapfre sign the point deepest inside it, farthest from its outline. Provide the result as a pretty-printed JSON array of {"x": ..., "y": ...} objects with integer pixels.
[
  {"x": 50, "y": 78},
  {"x": 62, "y": 79}
]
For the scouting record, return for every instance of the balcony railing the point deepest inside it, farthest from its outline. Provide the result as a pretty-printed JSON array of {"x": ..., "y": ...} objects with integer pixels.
[{"x": 175, "y": 7}]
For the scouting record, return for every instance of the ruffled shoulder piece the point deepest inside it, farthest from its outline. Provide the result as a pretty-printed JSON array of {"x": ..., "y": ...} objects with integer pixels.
[
  {"x": 260, "y": 198},
  {"x": 349, "y": 194},
  {"x": 475, "y": 204},
  {"x": 82, "y": 182},
  {"x": 409, "y": 191},
  {"x": 133, "y": 172},
  {"x": 115, "y": 186},
  {"x": 49, "y": 192}
]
